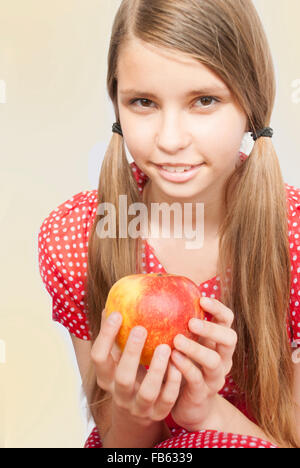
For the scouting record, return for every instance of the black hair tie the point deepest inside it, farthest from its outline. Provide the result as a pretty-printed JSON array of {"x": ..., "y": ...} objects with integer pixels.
[
  {"x": 264, "y": 132},
  {"x": 116, "y": 128}
]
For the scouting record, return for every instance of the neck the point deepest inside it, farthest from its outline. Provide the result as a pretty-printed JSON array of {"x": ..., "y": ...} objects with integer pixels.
[{"x": 212, "y": 217}]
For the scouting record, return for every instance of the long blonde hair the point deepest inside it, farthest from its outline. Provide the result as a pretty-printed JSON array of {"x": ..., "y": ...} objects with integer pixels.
[{"x": 228, "y": 37}]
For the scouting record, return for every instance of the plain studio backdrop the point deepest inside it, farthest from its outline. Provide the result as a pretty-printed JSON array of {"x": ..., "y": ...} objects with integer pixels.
[{"x": 55, "y": 120}]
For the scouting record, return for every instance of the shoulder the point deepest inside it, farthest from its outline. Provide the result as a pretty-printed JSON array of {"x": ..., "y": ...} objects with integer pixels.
[
  {"x": 293, "y": 204},
  {"x": 66, "y": 228},
  {"x": 82, "y": 204},
  {"x": 77, "y": 213},
  {"x": 62, "y": 250},
  {"x": 293, "y": 201}
]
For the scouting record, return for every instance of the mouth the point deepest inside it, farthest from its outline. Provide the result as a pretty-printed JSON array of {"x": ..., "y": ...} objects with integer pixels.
[
  {"x": 176, "y": 173},
  {"x": 178, "y": 168}
]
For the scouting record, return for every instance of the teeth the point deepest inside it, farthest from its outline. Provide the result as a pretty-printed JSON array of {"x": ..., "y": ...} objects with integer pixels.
[{"x": 176, "y": 169}]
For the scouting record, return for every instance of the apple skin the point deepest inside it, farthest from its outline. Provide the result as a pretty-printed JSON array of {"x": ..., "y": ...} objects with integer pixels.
[{"x": 162, "y": 303}]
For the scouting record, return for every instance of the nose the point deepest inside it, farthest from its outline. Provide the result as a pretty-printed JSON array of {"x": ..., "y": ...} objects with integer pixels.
[{"x": 172, "y": 134}]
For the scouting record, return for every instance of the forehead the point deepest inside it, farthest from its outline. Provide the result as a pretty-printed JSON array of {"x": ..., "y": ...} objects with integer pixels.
[{"x": 144, "y": 66}]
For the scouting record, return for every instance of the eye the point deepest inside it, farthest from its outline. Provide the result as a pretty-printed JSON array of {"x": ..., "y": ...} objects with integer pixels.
[
  {"x": 207, "y": 99},
  {"x": 134, "y": 101},
  {"x": 145, "y": 103}
]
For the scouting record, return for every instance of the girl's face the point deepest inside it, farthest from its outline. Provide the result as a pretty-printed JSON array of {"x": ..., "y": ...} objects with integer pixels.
[{"x": 174, "y": 110}]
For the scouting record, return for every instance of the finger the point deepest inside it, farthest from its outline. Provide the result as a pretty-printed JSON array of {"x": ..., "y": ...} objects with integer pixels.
[
  {"x": 221, "y": 314},
  {"x": 192, "y": 374},
  {"x": 102, "y": 348},
  {"x": 126, "y": 372},
  {"x": 169, "y": 392},
  {"x": 209, "y": 360},
  {"x": 116, "y": 351},
  {"x": 225, "y": 339},
  {"x": 206, "y": 342},
  {"x": 151, "y": 385},
  {"x": 221, "y": 335}
]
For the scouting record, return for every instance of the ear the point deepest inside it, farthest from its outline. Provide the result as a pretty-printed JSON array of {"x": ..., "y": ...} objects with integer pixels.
[{"x": 247, "y": 126}]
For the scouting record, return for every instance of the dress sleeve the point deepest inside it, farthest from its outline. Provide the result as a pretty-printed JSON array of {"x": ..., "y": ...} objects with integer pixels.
[
  {"x": 62, "y": 253},
  {"x": 294, "y": 238}
]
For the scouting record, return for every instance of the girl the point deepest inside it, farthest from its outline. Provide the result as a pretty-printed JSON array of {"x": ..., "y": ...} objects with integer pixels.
[{"x": 187, "y": 79}]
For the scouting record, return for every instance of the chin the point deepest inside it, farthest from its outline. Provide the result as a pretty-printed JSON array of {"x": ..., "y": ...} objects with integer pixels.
[{"x": 187, "y": 191}]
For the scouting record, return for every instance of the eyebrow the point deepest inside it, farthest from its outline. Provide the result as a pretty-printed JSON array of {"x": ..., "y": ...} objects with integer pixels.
[{"x": 204, "y": 90}]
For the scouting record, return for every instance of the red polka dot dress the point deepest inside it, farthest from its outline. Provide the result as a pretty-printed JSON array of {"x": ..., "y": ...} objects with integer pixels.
[{"x": 62, "y": 250}]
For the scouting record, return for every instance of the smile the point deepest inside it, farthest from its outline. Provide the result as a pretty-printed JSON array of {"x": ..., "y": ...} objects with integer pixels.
[{"x": 178, "y": 173}]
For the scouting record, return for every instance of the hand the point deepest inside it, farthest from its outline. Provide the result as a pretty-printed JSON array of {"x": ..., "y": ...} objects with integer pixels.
[
  {"x": 136, "y": 392},
  {"x": 203, "y": 364}
]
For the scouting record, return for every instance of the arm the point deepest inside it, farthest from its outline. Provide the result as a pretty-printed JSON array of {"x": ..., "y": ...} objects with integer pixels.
[
  {"x": 82, "y": 349},
  {"x": 297, "y": 395},
  {"x": 123, "y": 435},
  {"x": 227, "y": 418},
  {"x": 117, "y": 435}
]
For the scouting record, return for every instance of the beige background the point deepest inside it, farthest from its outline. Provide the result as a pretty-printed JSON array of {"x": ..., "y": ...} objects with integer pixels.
[{"x": 55, "y": 123}]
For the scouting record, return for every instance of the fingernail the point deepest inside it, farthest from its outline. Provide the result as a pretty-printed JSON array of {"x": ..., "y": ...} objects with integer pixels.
[
  {"x": 197, "y": 323},
  {"x": 138, "y": 333},
  {"x": 177, "y": 356},
  {"x": 206, "y": 301},
  {"x": 163, "y": 350},
  {"x": 114, "y": 317}
]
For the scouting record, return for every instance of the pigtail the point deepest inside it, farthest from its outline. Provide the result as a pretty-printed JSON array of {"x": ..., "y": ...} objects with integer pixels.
[
  {"x": 254, "y": 242},
  {"x": 109, "y": 258}
]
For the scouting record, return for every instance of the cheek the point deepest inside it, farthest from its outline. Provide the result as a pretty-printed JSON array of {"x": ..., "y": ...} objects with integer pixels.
[
  {"x": 220, "y": 155},
  {"x": 139, "y": 147},
  {"x": 221, "y": 140},
  {"x": 226, "y": 153},
  {"x": 137, "y": 153},
  {"x": 136, "y": 140}
]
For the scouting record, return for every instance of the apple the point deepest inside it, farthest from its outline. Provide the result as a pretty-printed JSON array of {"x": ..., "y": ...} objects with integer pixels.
[{"x": 162, "y": 303}]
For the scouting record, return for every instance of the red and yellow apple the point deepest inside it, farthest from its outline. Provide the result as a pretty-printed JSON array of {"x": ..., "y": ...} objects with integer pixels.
[{"x": 162, "y": 303}]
